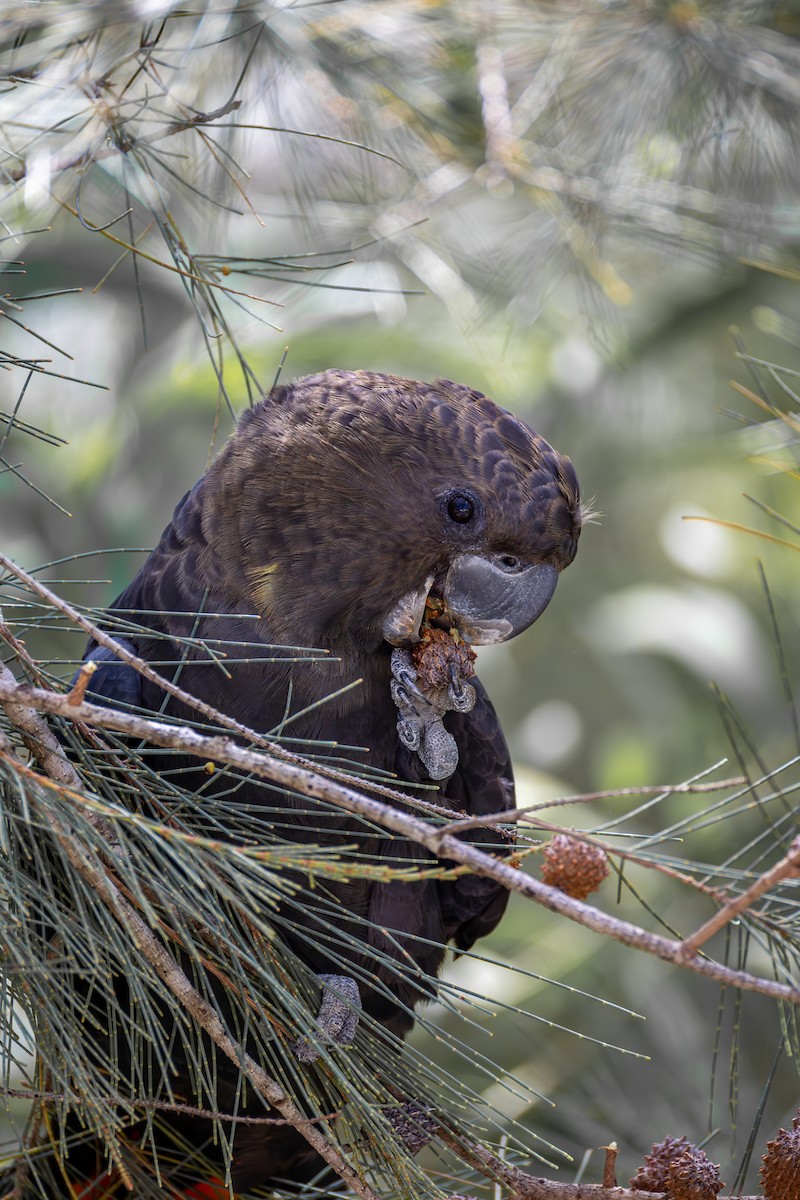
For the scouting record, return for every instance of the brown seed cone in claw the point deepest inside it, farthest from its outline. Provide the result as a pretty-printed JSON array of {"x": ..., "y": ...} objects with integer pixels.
[
  {"x": 780, "y": 1172},
  {"x": 573, "y": 866},
  {"x": 693, "y": 1176},
  {"x": 652, "y": 1175},
  {"x": 435, "y": 656}
]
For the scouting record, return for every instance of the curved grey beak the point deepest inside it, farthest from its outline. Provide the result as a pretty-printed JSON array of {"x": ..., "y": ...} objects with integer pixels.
[{"x": 491, "y": 603}]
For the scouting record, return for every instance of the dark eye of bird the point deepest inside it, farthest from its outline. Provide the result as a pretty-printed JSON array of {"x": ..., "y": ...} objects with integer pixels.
[{"x": 461, "y": 508}]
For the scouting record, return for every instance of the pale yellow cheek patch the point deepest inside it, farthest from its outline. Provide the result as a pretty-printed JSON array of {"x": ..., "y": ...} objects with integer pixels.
[{"x": 262, "y": 586}]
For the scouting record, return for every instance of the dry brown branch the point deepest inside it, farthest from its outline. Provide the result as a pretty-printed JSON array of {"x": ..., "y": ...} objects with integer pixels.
[
  {"x": 525, "y": 815},
  {"x": 523, "y": 1186},
  {"x": 311, "y": 783},
  {"x": 21, "y": 652},
  {"x": 77, "y": 693},
  {"x": 610, "y": 1165},
  {"x": 492, "y": 820},
  {"x": 787, "y": 868},
  {"x": 104, "y": 639},
  {"x": 207, "y": 1017}
]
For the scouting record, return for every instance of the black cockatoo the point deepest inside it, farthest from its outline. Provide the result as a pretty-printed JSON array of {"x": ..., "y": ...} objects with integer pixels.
[{"x": 348, "y": 510}]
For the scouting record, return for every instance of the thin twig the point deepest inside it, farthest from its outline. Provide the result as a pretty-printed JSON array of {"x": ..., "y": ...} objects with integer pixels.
[
  {"x": 787, "y": 868},
  {"x": 159, "y": 262},
  {"x": 187, "y": 1110},
  {"x": 21, "y": 652},
  {"x": 77, "y": 693},
  {"x": 523, "y": 815},
  {"x": 610, "y": 1165},
  {"x": 310, "y": 783},
  {"x": 759, "y": 533},
  {"x": 494, "y": 821},
  {"x": 112, "y": 147},
  {"x": 125, "y": 655},
  {"x": 590, "y": 839}
]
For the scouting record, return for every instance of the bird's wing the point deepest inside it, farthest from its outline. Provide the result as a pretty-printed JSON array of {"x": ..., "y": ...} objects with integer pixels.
[
  {"x": 482, "y": 783},
  {"x": 163, "y": 601},
  {"x": 113, "y": 683}
]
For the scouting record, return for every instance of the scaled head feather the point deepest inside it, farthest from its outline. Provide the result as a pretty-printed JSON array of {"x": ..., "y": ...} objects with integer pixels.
[{"x": 344, "y": 492}]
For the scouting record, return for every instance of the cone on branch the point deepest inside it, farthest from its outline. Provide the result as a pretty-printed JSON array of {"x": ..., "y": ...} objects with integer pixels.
[
  {"x": 678, "y": 1168},
  {"x": 573, "y": 866},
  {"x": 693, "y": 1176},
  {"x": 780, "y": 1171}
]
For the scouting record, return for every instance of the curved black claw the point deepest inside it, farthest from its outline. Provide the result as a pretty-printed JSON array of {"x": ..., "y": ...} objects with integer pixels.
[
  {"x": 407, "y": 678},
  {"x": 460, "y": 694},
  {"x": 337, "y": 1018},
  {"x": 409, "y": 733}
]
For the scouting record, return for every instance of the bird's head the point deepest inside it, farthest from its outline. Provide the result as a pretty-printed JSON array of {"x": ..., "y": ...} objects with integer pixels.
[{"x": 363, "y": 498}]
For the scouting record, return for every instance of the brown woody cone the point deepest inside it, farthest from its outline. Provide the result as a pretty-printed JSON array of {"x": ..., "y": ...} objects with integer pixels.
[
  {"x": 780, "y": 1172},
  {"x": 652, "y": 1175},
  {"x": 436, "y": 655},
  {"x": 693, "y": 1176},
  {"x": 574, "y": 867}
]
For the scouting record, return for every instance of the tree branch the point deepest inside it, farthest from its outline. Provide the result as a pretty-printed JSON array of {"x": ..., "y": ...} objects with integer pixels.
[
  {"x": 787, "y": 868},
  {"x": 310, "y": 783},
  {"x": 523, "y": 816},
  {"x": 523, "y": 1186}
]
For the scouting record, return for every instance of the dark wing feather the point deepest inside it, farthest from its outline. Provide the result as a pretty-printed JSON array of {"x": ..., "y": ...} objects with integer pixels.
[
  {"x": 483, "y": 783},
  {"x": 165, "y": 596},
  {"x": 114, "y": 682}
]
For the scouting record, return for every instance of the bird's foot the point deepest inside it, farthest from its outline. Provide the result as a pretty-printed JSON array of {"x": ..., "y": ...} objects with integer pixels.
[
  {"x": 419, "y": 720},
  {"x": 414, "y": 1124},
  {"x": 337, "y": 1018},
  {"x": 404, "y": 687}
]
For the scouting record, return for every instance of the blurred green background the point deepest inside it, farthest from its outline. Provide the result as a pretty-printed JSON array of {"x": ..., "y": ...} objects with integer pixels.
[{"x": 620, "y": 354}]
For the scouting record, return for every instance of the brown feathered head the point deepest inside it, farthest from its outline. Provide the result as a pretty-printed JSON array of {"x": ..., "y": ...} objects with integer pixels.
[{"x": 354, "y": 496}]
